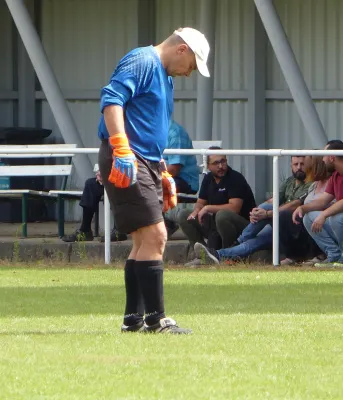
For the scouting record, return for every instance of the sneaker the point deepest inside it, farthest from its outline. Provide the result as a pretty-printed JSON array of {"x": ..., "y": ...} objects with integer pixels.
[
  {"x": 287, "y": 261},
  {"x": 314, "y": 260},
  {"x": 338, "y": 264},
  {"x": 166, "y": 325},
  {"x": 79, "y": 236},
  {"x": 207, "y": 255},
  {"x": 139, "y": 327},
  {"x": 194, "y": 263},
  {"x": 326, "y": 264},
  {"x": 115, "y": 236}
]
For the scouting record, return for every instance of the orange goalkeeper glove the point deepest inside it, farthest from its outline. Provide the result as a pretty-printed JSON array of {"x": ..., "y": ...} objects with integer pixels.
[
  {"x": 124, "y": 168},
  {"x": 169, "y": 189}
]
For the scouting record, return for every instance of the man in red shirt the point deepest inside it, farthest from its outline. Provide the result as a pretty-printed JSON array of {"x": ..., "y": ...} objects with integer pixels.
[{"x": 323, "y": 217}]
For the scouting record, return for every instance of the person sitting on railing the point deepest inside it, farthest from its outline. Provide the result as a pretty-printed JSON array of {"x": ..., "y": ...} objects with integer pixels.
[
  {"x": 323, "y": 220},
  {"x": 295, "y": 243},
  {"x": 222, "y": 209},
  {"x": 91, "y": 196},
  {"x": 183, "y": 168},
  {"x": 258, "y": 234}
]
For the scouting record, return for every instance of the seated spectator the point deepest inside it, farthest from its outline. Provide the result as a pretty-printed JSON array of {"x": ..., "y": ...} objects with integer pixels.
[
  {"x": 222, "y": 209},
  {"x": 258, "y": 234},
  {"x": 183, "y": 168},
  {"x": 295, "y": 243},
  {"x": 323, "y": 220},
  {"x": 91, "y": 196}
]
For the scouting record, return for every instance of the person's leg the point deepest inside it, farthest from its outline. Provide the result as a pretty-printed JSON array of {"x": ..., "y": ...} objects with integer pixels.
[
  {"x": 290, "y": 234},
  {"x": 336, "y": 224},
  {"x": 253, "y": 229},
  {"x": 229, "y": 226},
  {"x": 325, "y": 239},
  {"x": 191, "y": 228},
  {"x": 90, "y": 199},
  {"x": 261, "y": 242},
  {"x": 134, "y": 307},
  {"x": 149, "y": 272}
]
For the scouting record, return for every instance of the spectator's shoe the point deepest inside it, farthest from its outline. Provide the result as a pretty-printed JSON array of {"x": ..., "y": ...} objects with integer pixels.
[
  {"x": 327, "y": 264},
  {"x": 115, "y": 236},
  {"x": 207, "y": 255},
  {"x": 196, "y": 262},
  {"x": 287, "y": 261},
  {"x": 79, "y": 236},
  {"x": 167, "y": 325},
  {"x": 338, "y": 264},
  {"x": 314, "y": 260},
  {"x": 139, "y": 327}
]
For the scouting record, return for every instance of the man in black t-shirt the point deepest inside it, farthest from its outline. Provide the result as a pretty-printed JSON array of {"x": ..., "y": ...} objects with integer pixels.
[{"x": 222, "y": 209}]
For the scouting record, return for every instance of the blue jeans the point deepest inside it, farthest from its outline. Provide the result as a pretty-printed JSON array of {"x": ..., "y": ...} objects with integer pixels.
[
  {"x": 251, "y": 231},
  {"x": 330, "y": 239},
  {"x": 253, "y": 238}
]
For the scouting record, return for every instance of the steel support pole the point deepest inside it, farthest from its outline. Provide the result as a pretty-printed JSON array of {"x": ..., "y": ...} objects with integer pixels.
[
  {"x": 205, "y": 85},
  {"x": 49, "y": 83},
  {"x": 292, "y": 72},
  {"x": 276, "y": 201},
  {"x": 107, "y": 217}
]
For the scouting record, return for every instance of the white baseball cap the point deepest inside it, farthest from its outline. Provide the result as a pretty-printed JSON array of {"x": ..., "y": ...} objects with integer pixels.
[{"x": 199, "y": 45}]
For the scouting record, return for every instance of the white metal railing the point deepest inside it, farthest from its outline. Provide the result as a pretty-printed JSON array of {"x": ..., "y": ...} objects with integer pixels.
[{"x": 275, "y": 153}]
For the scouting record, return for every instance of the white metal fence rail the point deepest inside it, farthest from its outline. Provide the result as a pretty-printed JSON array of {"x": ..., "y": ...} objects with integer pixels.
[{"x": 275, "y": 153}]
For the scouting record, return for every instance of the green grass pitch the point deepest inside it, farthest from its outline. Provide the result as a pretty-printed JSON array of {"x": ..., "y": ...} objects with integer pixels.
[{"x": 258, "y": 334}]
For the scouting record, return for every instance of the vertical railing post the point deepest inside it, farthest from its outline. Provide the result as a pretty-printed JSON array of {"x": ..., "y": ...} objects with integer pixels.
[
  {"x": 107, "y": 217},
  {"x": 276, "y": 211}
]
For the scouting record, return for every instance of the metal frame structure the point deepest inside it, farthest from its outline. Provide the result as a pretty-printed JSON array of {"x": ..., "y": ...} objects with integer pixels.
[{"x": 275, "y": 153}]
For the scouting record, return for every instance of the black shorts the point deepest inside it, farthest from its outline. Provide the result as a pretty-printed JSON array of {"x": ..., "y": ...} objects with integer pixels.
[{"x": 138, "y": 205}]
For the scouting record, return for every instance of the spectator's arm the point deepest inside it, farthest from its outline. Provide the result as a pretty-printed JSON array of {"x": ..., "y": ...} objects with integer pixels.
[
  {"x": 319, "y": 204},
  {"x": 336, "y": 208},
  {"x": 290, "y": 206},
  {"x": 234, "y": 205},
  {"x": 174, "y": 169}
]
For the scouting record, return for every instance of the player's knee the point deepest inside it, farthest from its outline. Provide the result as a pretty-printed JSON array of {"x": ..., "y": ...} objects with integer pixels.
[{"x": 155, "y": 237}]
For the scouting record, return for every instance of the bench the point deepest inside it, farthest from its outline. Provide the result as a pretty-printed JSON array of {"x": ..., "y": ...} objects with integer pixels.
[
  {"x": 24, "y": 194},
  {"x": 71, "y": 195}
]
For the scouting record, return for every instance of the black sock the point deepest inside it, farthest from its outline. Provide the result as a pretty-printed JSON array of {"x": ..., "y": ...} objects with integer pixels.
[
  {"x": 87, "y": 217},
  {"x": 150, "y": 277},
  {"x": 134, "y": 309}
]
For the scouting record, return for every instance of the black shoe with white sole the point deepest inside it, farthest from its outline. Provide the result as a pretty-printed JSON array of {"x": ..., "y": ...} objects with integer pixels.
[
  {"x": 167, "y": 325},
  {"x": 139, "y": 327}
]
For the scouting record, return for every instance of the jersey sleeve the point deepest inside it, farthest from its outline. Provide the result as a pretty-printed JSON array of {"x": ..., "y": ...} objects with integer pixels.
[{"x": 132, "y": 76}]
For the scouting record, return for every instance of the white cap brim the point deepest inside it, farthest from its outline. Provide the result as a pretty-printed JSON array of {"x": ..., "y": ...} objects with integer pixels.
[{"x": 202, "y": 66}]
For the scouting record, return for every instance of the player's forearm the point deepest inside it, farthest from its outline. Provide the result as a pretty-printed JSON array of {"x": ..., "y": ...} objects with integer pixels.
[{"x": 114, "y": 119}]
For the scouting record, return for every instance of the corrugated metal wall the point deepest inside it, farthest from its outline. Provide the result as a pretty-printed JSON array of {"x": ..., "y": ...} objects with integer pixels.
[
  {"x": 84, "y": 39},
  {"x": 83, "y": 52},
  {"x": 315, "y": 32},
  {"x": 6, "y": 65}
]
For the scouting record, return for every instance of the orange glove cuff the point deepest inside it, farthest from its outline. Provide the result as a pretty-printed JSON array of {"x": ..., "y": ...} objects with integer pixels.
[{"x": 120, "y": 144}]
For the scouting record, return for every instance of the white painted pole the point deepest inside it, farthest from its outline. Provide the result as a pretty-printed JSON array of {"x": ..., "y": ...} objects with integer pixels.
[
  {"x": 276, "y": 211},
  {"x": 107, "y": 216}
]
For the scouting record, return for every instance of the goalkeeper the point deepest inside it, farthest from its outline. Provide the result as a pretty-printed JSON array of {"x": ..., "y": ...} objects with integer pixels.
[{"x": 136, "y": 108}]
